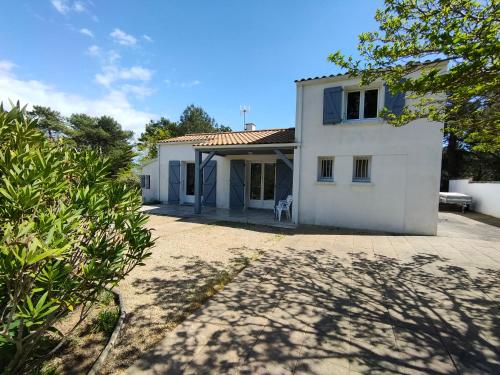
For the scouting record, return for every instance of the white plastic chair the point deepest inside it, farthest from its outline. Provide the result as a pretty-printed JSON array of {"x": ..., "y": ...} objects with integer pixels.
[{"x": 283, "y": 205}]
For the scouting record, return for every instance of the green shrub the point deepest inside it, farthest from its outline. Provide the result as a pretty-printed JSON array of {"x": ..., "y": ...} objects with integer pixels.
[
  {"x": 105, "y": 321},
  {"x": 67, "y": 231}
]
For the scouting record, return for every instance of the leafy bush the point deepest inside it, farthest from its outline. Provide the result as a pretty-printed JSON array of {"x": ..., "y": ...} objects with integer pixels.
[{"x": 67, "y": 232}]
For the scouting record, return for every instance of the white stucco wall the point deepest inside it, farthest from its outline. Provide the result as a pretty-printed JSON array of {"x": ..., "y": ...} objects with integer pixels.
[
  {"x": 405, "y": 168},
  {"x": 485, "y": 195},
  {"x": 150, "y": 168}
]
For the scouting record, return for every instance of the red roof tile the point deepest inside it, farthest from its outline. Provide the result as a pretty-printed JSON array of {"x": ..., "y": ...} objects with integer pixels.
[{"x": 237, "y": 138}]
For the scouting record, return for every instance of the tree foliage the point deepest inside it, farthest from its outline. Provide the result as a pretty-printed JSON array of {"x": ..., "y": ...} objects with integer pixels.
[
  {"x": 67, "y": 231},
  {"x": 154, "y": 132},
  {"x": 106, "y": 135},
  {"x": 463, "y": 32},
  {"x": 51, "y": 122},
  {"x": 193, "y": 120}
]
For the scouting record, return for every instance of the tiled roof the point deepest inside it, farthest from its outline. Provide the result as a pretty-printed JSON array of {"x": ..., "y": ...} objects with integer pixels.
[
  {"x": 345, "y": 74},
  {"x": 237, "y": 138}
]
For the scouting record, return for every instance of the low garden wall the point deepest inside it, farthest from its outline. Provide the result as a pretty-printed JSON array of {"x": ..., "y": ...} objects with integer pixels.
[{"x": 485, "y": 195}]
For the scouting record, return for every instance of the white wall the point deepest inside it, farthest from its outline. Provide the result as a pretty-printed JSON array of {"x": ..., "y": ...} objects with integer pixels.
[
  {"x": 150, "y": 168},
  {"x": 485, "y": 195},
  {"x": 184, "y": 152},
  {"x": 406, "y": 162}
]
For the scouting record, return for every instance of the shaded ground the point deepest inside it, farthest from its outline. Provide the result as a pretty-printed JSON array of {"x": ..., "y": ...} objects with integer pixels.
[
  {"x": 335, "y": 302},
  {"x": 189, "y": 255}
]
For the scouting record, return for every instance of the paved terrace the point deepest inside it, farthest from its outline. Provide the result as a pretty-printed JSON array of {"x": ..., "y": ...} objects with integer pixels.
[
  {"x": 335, "y": 302},
  {"x": 249, "y": 216}
]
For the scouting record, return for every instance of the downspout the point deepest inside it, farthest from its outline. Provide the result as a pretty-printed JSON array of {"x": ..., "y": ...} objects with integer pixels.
[{"x": 297, "y": 163}]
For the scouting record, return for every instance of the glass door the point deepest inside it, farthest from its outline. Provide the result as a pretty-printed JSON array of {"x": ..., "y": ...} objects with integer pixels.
[
  {"x": 188, "y": 188},
  {"x": 262, "y": 182}
]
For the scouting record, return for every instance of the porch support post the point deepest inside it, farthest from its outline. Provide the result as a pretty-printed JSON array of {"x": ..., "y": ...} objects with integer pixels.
[
  {"x": 284, "y": 158},
  {"x": 197, "y": 181},
  {"x": 207, "y": 159}
]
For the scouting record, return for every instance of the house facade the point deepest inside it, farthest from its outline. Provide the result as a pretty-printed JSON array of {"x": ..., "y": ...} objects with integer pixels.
[{"x": 343, "y": 165}]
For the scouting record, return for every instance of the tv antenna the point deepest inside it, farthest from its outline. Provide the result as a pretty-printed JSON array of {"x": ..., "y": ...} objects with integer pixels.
[{"x": 244, "y": 109}]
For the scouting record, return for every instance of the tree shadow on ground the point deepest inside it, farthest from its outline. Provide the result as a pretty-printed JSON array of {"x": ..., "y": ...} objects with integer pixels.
[
  {"x": 314, "y": 311},
  {"x": 183, "y": 289}
]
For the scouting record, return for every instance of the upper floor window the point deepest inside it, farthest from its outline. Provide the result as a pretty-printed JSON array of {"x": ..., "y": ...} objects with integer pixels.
[
  {"x": 362, "y": 104},
  {"x": 325, "y": 169}
]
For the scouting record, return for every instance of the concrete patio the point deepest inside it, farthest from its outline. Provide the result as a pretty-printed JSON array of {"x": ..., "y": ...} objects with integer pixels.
[
  {"x": 248, "y": 216},
  {"x": 325, "y": 301}
]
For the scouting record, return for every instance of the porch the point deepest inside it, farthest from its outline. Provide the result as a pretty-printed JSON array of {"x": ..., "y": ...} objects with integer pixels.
[{"x": 247, "y": 216}]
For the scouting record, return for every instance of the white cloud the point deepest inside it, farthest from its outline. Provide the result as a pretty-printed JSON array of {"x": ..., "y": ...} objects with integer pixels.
[
  {"x": 87, "y": 32},
  {"x": 94, "y": 50},
  {"x": 65, "y": 6},
  {"x": 114, "y": 103},
  {"x": 147, "y": 38},
  {"x": 112, "y": 73},
  {"x": 79, "y": 7},
  {"x": 140, "y": 91},
  {"x": 186, "y": 84},
  {"x": 6, "y": 66},
  {"x": 190, "y": 83},
  {"x": 61, "y": 6},
  {"x": 123, "y": 38}
]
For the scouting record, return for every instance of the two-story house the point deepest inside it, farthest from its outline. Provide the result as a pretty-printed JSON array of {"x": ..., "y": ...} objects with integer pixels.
[{"x": 343, "y": 165}]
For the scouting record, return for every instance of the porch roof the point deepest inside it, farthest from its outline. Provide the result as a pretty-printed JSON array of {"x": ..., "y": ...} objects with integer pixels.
[{"x": 239, "y": 138}]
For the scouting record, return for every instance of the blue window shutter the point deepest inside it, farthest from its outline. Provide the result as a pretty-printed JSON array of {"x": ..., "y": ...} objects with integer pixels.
[
  {"x": 237, "y": 184},
  {"x": 332, "y": 105},
  {"x": 394, "y": 103},
  {"x": 174, "y": 180},
  {"x": 210, "y": 183}
]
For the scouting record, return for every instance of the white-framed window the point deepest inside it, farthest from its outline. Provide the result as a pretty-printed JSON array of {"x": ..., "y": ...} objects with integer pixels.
[
  {"x": 325, "y": 168},
  {"x": 361, "y": 169},
  {"x": 145, "y": 181},
  {"x": 361, "y": 104}
]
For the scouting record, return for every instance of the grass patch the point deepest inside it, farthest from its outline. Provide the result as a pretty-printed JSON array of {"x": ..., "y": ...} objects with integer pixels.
[
  {"x": 105, "y": 321},
  {"x": 200, "y": 295}
]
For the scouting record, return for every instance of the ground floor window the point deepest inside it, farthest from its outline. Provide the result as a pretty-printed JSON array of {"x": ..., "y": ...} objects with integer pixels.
[
  {"x": 190, "y": 176},
  {"x": 361, "y": 169},
  {"x": 325, "y": 169},
  {"x": 145, "y": 181},
  {"x": 262, "y": 181}
]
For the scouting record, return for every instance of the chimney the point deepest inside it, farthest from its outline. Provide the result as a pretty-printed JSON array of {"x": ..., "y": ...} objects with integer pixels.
[{"x": 249, "y": 127}]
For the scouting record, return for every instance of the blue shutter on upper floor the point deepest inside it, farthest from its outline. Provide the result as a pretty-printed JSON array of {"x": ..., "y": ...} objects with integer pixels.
[
  {"x": 394, "y": 102},
  {"x": 332, "y": 105}
]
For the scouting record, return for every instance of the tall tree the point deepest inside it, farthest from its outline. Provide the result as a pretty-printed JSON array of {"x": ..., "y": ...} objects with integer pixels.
[
  {"x": 193, "y": 120},
  {"x": 105, "y": 134},
  {"x": 154, "y": 132},
  {"x": 462, "y": 32},
  {"x": 51, "y": 122}
]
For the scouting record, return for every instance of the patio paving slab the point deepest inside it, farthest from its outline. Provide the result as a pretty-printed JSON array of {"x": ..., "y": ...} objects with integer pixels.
[{"x": 332, "y": 302}]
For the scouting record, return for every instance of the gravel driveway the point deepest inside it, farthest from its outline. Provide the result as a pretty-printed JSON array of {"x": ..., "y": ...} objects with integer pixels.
[{"x": 188, "y": 252}]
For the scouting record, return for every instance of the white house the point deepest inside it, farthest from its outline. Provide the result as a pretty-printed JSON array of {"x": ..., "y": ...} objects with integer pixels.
[{"x": 342, "y": 164}]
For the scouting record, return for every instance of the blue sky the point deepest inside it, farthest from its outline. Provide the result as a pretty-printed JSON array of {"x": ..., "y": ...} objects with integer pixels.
[{"x": 136, "y": 60}]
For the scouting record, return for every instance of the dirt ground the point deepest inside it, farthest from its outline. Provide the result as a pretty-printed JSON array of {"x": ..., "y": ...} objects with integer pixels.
[{"x": 187, "y": 254}]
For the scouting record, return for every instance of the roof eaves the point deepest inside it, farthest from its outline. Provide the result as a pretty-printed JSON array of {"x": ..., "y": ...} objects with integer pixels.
[{"x": 410, "y": 63}]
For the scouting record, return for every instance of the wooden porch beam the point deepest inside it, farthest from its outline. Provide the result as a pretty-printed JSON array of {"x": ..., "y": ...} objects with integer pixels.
[
  {"x": 207, "y": 159},
  {"x": 284, "y": 158},
  {"x": 197, "y": 182}
]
